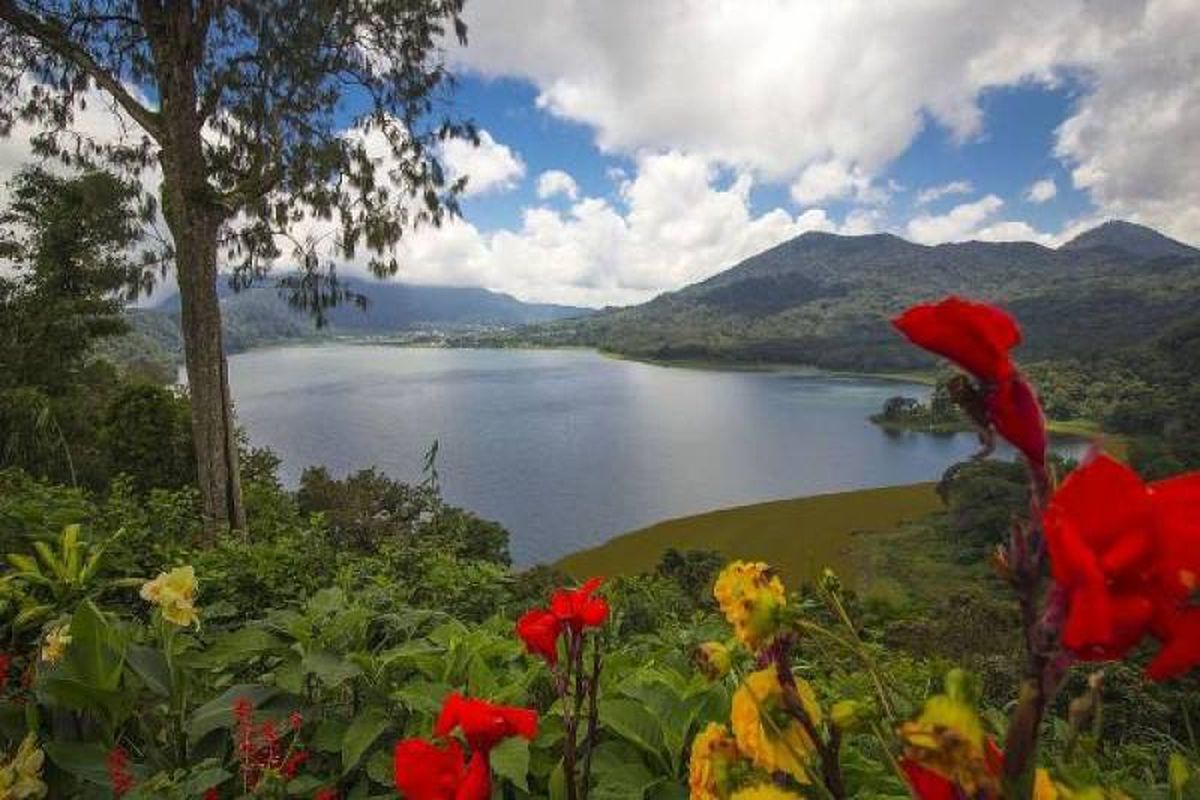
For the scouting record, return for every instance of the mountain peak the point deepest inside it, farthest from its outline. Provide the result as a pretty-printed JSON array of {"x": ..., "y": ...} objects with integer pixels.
[{"x": 1129, "y": 237}]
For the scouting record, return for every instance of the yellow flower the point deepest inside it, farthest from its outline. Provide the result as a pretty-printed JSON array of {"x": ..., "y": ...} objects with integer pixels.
[
  {"x": 752, "y": 598},
  {"x": 54, "y": 646},
  {"x": 21, "y": 778},
  {"x": 949, "y": 739},
  {"x": 765, "y": 732},
  {"x": 1043, "y": 786},
  {"x": 174, "y": 593},
  {"x": 713, "y": 752},
  {"x": 764, "y": 791},
  {"x": 713, "y": 659},
  {"x": 846, "y": 714}
]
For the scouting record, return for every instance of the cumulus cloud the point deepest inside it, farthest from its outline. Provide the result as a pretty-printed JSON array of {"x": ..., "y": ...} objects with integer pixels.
[
  {"x": 488, "y": 166},
  {"x": 1042, "y": 191},
  {"x": 974, "y": 220},
  {"x": 554, "y": 182},
  {"x": 932, "y": 193},
  {"x": 833, "y": 180},
  {"x": 1132, "y": 140},
  {"x": 677, "y": 220}
]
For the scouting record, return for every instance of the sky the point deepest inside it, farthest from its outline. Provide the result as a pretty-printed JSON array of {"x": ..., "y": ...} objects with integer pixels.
[{"x": 631, "y": 147}]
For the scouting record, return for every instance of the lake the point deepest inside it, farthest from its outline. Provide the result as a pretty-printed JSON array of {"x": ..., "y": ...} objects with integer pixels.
[{"x": 567, "y": 448}]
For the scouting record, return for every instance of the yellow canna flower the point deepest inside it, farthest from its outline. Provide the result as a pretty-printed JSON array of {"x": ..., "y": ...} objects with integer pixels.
[
  {"x": 174, "y": 593},
  {"x": 752, "y": 598},
  {"x": 713, "y": 753},
  {"x": 765, "y": 732},
  {"x": 54, "y": 645},
  {"x": 764, "y": 791},
  {"x": 1043, "y": 786},
  {"x": 21, "y": 777},
  {"x": 948, "y": 738}
]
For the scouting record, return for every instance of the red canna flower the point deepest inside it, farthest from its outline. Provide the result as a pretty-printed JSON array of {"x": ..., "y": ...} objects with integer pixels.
[
  {"x": 577, "y": 608},
  {"x": 292, "y": 764},
  {"x": 326, "y": 794},
  {"x": 1014, "y": 411},
  {"x": 424, "y": 771},
  {"x": 1126, "y": 555},
  {"x": 539, "y": 629},
  {"x": 119, "y": 777},
  {"x": 927, "y": 784},
  {"x": 976, "y": 336},
  {"x": 212, "y": 793},
  {"x": 483, "y": 724}
]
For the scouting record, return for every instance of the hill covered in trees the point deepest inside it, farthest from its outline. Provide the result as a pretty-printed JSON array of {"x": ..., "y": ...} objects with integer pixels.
[{"x": 825, "y": 299}]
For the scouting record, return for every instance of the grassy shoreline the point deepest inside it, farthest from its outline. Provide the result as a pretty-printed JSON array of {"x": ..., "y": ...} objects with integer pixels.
[{"x": 800, "y": 536}]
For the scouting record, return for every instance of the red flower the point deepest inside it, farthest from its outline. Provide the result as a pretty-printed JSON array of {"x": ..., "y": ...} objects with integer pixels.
[
  {"x": 927, "y": 784},
  {"x": 1127, "y": 555},
  {"x": 976, "y": 336},
  {"x": 212, "y": 793},
  {"x": 539, "y": 630},
  {"x": 326, "y": 794},
  {"x": 5, "y": 668},
  {"x": 295, "y": 721},
  {"x": 293, "y": 763},
  {"x": 483, "y": 724},
  {"x": 577, "y": 608},
  {"x": 1014, "y": 411},
  {"x": 424, "y": 771},
  {"x": 117, "y": 764}
]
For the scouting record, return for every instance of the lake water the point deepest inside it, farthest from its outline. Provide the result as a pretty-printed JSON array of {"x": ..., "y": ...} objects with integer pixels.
[{"x": 567, "y": 448}]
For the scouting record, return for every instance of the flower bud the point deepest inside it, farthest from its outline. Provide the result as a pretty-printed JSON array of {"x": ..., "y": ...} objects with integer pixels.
[
  {"x": 846, "y": 714},
  {"x": 713, "y": 660},
  {"x": 830, "y": 582}
]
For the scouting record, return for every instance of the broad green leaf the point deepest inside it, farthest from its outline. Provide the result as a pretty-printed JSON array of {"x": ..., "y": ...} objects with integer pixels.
[
  {"x": 84, "y": 760},
  {"x": 368, "y": 726},
  {"x": 558, "y": 783},
  {"x": 218, "y": 712},
  {"x": 151, "y": 666},
  {"x": 304, "y": 785},
  {"x": 379, "y": 767},
  {"x": 329, "y": 735},
  {"x": 329, "y": 668},
  {"x": 510, "y": 759},
  {"x": 237, "y": 646},
  {"x": 631, "y": 721},
  {"x": 200, "y": 781},
  {"x": 96, "y": 654}
]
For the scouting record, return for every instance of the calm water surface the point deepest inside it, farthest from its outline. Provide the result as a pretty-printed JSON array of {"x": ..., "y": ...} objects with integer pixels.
[{"x": 569, "y": 448}]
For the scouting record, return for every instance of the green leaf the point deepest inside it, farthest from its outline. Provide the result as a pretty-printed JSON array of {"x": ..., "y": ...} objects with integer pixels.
[
  {"x": 84, "y": 760},
  {"x": 379, "y": 767},
  {"x": 237, "y": 646},
  {"x": 631, "y": 721},
  {"x": 619, "y": 771},
  {"x": 304, "y": 785},
  {"x": 329, "y": 735},
  {"x": 218, "y": 712},
  {"x": 368, "y": 726},
  {"x": 149, "y": 664},
  {"x": 510, "y": 760},
  {"x": 329, "y": 668},
  {"x": 96, "y": 654},
  {"x": 558, "y": 783},
  {"x": 202, "y": 780}
]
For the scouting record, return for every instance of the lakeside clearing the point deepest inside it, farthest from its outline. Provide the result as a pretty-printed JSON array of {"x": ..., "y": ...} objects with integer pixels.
[{"x": 800, "y": 536}]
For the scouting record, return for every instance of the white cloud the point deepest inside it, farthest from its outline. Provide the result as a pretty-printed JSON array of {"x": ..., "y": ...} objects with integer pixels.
[
  {"x": 976, "y": 220},
  {"x": 1132, "y": 140},
  {"x": 932, "y": 193},
  {"x": 556, "y": 182},
  {"x": 488, "y": 166},
  {"x": 833, "y": 180},
  {"x": 1042, "y": 190}
]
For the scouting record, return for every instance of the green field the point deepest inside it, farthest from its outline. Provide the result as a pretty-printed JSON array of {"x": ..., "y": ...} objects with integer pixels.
[{"x": 799, "y": 537}]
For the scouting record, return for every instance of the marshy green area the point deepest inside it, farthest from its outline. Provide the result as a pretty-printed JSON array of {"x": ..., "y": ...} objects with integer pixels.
[{"x": 800, "y": 536}]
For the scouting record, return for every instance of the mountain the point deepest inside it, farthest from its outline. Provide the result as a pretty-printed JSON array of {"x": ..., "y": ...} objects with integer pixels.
[
  {"x": 1135, "y": 240},
  {"x": 825, "y": 299},
  {"x": 261, "y": 315}
]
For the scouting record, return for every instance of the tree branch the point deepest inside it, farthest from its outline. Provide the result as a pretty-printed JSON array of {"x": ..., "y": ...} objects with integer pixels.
[{"x": 52, "y": 36}]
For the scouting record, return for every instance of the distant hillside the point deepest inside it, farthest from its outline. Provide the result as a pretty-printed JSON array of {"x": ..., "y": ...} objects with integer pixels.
[
  {"x": 824, "y": 299},
  {"x": 261, "y": 315}
]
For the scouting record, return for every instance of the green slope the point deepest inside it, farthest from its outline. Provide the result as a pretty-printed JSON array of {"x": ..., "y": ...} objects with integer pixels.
[{"x": 799, "y": 537}]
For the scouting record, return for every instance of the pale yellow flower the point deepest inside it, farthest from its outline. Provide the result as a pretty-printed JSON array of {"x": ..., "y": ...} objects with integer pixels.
[
  {"x": 54, "y": 645},
  {"x": 714, "y": 660},
  {"x": 174, "y": 593},
  {"x": 765, "y": 732},
  {"x": 752, "y": 598},
  {"x": 21, "y": 777}
]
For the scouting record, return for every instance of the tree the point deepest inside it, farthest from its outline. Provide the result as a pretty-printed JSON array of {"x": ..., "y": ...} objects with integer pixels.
[{"x": 245, "y": 105}]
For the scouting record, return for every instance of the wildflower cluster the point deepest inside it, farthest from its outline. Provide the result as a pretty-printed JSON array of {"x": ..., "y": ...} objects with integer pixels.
[{"x": 262, "y": 756}]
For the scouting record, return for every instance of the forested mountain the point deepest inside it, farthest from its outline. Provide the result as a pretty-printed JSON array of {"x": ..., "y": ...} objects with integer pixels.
[
  {"x": 261, "y": 315},
  {"x": 825, "y": 299}
]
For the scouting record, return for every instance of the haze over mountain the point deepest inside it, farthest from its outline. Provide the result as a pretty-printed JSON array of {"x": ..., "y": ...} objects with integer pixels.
[{"x": 825, "y": 299}]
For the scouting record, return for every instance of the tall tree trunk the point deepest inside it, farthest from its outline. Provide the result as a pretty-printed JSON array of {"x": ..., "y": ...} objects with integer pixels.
[
  {"x": 208, "y": 377},
  {"x": 195, "y": 220}
]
